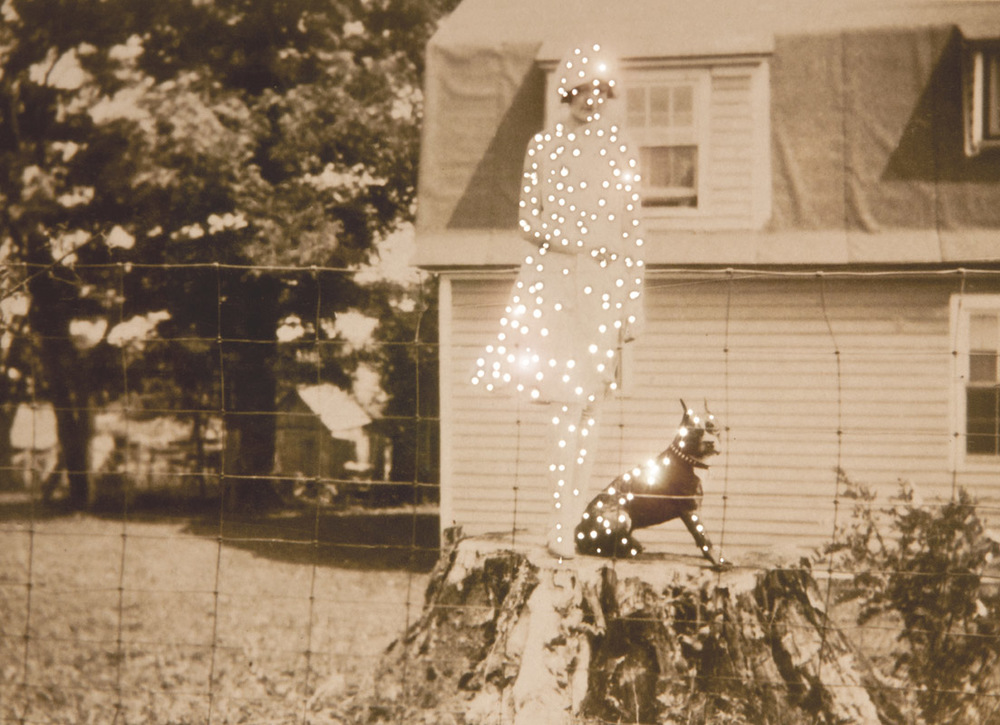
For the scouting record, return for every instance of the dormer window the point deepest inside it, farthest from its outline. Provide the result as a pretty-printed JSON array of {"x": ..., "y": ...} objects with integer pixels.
[
  {"x": 665, "y": 120},
  {"x": 982, "y": 98},
  {"x": 702, "y": 137}
]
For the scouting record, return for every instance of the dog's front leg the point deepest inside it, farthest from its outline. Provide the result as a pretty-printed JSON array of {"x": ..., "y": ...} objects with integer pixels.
[{"x": 697, "y": 529}]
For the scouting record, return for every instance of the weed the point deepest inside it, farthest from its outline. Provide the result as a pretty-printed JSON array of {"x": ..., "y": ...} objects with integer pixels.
[{"x": 930, "y": 566}]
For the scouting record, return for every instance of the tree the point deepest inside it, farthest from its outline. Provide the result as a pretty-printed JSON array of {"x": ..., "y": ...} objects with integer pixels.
[
  {"x": 137, "y": 137},
  {"x": 407, "y": 359}
]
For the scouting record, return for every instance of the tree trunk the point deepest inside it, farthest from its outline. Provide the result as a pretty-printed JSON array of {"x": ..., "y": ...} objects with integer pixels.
[
  {"x": 512, "y": 637},
  {"x": 68, "y": 391},
  {"x": 75, "y": 428},
  {"x": 64, "y": 378},
  {"x": 250, "y": 321}
]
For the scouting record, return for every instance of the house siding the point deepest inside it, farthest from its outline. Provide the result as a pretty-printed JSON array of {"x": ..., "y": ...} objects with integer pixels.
[
  {"x": 809, "y": 373},
  {"x": 731, "y": 148}
]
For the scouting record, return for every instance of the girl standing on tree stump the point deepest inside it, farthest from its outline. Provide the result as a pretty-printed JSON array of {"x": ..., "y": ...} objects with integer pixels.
[{"x": 576, "y": 300}]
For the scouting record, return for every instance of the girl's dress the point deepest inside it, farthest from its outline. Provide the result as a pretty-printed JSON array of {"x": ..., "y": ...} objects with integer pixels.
[{"x": 576, "y": 299}]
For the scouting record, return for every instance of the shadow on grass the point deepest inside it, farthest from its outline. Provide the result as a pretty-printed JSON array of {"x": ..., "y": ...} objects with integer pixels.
[
  {"x": 356, "y": 538},
  {"x": 361, "y": 539},
  {"x": 19, "y": 506}
]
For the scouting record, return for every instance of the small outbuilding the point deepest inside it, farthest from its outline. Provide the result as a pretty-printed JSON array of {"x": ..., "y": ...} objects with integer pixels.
[{"x": 322, "y": 431}]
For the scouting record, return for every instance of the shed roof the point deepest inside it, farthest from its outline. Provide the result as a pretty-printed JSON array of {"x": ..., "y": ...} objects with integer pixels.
[{"x": 339, "y": 412}]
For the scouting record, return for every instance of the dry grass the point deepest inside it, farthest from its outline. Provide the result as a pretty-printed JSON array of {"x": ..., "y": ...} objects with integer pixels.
[{"x": 147, "y": 622}]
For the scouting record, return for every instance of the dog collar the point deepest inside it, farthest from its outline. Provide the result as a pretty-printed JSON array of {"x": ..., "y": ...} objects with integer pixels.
[{"x": 690, "y": 460}]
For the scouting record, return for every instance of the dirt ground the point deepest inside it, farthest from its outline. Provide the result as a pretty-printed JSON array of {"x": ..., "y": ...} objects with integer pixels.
[{"x": 153, "y": 620}]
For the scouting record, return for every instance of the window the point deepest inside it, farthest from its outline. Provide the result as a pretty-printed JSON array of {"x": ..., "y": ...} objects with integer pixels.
[
  {"x": 663, "y": 120},
  {"x": 991, "y": 96},
  {"x": 982, "y": 99},
  {"x": 982, "y": 414},
  {"x": 978, "y": 393},
  {"x": 702, "y": 137}
]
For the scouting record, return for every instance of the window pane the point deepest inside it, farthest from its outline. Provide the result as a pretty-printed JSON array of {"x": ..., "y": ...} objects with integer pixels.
[
  {"x": 670, "y": 106},
  {"x": 983, "y": 344},
  {"x": 982, "y": 421},
  {"x": 684, "y": 106},
  {"x": 991, "y": 103},
  {"x": 983, "y": 331},
  {"x": 670, "y": 175},
  {"x": 668, "y": 166},
  {"x": 982, "y": 367},
  {"x": 655, "y": 165},
  {"x": 635, "y": 107},
  {"x": 685, "y": 160},
  {"x": 659, "y": 106}
]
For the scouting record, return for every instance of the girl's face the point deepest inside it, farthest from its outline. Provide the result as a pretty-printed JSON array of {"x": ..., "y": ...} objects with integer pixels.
[{"x": 583, "y": 105}]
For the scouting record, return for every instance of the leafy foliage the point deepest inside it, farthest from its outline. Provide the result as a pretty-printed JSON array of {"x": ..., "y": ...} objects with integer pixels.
[
  {"x": 137, "y": 139},
  {"x": 933, "y": 567}
]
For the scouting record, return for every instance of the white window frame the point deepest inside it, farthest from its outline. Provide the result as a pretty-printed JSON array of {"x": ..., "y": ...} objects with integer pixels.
[
  {"x": 981, "y": 90},
  {"x": 963, "y": 307},
  {"x": 643, "y": 74},
  {"x": 699, "y": 135}
]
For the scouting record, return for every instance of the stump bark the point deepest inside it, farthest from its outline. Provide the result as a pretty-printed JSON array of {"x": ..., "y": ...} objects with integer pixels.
[{"x": 510, "y": 636}]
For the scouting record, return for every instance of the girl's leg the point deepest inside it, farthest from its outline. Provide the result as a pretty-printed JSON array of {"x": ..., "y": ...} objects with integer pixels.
[{"x": 574, "y": 441}]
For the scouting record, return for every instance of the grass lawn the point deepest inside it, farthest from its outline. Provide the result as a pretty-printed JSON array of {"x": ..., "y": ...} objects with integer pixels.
[{"x": 154, "y": 621}]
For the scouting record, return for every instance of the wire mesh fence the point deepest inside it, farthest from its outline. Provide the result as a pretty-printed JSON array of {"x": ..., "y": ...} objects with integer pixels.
[
  {"x": 209, "y": 518},
  {"x": 251, "y": 537}
]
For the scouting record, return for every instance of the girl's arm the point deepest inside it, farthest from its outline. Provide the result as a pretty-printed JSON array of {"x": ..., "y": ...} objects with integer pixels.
[
  {"x": 632, "y": 268},
  {"x": 535, "y": 230}
]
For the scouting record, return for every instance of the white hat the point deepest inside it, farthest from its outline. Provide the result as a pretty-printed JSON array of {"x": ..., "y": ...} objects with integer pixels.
[{"x": 585, "y": 68}]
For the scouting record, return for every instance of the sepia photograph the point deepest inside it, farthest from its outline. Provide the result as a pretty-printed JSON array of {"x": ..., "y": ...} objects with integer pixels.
[{"x": 496, "y": 362}]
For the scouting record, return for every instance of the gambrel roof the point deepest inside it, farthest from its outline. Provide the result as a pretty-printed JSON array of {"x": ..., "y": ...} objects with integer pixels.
[
  {"x": 680, "y": 28},
  {"x": 865, "y": 124}
]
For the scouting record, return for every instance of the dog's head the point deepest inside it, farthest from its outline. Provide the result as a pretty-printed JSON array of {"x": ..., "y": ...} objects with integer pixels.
[{"x": 698, "y": 435}]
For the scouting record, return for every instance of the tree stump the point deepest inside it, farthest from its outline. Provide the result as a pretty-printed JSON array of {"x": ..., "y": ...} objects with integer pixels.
[{"x": 510, "y": 636}]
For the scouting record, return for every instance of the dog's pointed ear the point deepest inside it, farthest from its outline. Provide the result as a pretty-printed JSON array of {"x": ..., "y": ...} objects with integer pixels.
[{"x": 710, "y": 423}]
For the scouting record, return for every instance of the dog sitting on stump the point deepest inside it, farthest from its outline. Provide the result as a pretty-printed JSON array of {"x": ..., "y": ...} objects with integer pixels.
[{"x": 662, "y": 489}]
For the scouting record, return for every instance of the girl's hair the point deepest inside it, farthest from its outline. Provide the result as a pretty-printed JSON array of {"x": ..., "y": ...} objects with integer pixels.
[{"x": 606, "y": 88}]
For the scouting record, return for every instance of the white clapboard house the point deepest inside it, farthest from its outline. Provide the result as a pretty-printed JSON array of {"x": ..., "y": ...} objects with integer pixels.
[{"x": 822, "y": 214}]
